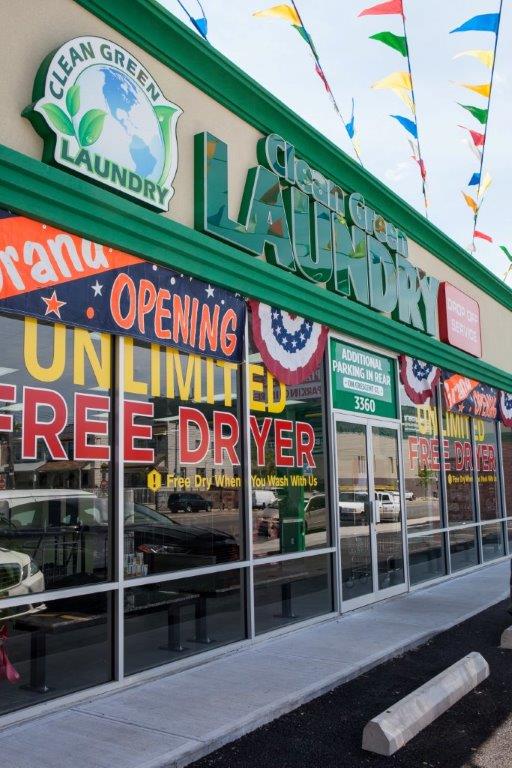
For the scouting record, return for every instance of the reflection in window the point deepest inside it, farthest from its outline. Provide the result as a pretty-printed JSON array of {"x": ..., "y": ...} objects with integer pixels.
[
  {"x": 458, "y": 452},
  {"x": 493, "y": 545},
  {"x": 287, "y": 591},
  {"x": 170, "y": 620},
  {"x": 463, "y": 549},
  {"x": 420, "y": 436},
  {"x": 183, "y": 475},
  {"x": 486, "y": 461},
  {"x": 426, "y": 558},
  {"x": 55, "y": 436},
  {"x": 506, "y": 449},
  {"x": 290, "y": 511},
  {"x": 54, "y": 648}
]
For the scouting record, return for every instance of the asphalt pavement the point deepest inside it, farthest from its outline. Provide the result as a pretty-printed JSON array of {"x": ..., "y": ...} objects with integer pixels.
[{"x": 326, "y": 733}]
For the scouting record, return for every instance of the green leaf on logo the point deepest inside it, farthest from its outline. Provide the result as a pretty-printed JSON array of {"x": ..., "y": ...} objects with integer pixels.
[
  {"x": 167, "y": 118},
  {"x": 73, "y": 100},
  {"x": 91, "y": 126},
  {"x": 58, "y": 119}
]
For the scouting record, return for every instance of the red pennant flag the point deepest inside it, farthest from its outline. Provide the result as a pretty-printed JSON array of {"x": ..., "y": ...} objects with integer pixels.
[
  {"x": 483, "y": 236},
  {"x": 478, "y": 138},
  {"x": 322, "y": 77},
  {"x": 393, "y": 6},
  {"x": 421, "y": 165}
]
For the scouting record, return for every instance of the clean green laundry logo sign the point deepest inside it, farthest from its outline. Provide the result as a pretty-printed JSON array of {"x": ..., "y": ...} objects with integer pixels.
[{"x": 102, "y": 115}]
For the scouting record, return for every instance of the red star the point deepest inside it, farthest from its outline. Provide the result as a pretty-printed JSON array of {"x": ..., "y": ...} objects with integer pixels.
[{"x": 53, "y": 305}]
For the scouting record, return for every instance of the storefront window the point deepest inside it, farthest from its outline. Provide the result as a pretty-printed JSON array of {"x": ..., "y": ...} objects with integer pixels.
[
  {"x": 183, "y": 461},
  {"x": 506, "y": 450},
  {"x": 55, "y": 471},
  {"x": 463, "y": 549},
  {"x": 290, "y": 511},
  {"x": 174, "y": 619},
  {"x": 287, "y": 591},
  {"x": 486, "y": 464},
  {"x": 54, "y": 648},
  {"x": 458, "y": 455},
  {"x": 427, "y": 558},
  {"x": 422, "y": 468},
  {"x": 493, "y": 545}
]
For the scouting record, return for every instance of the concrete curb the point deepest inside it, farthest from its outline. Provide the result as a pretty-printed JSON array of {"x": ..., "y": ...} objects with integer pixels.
[
  {"x": 186, "y": 755},
  {"x": 392, "y": 729},
  {"x": 506, "y": 639}
]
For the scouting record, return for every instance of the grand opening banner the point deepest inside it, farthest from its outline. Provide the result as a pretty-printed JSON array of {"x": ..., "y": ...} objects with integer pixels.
[{"x": 56, "y": 276}]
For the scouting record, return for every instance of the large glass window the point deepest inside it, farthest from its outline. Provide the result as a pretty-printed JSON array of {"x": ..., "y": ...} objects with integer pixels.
[
  {"x": 422, "y": 468},
  {"x": 458, "y": 455},
  {"x": 183, "y": 461},
  {"x": 54, "y": 648},
  {"x": 55, "y": 471},
  {"x": 170, "y": 620},
  {"x": 287, "y": 591},
  {"x": 427, "y": 559},
  {"x": 290, "y": 511},
  {"x": 486, "y": 466},
  {"x": 506, "y": 450},
  {"x": 463, "y": 548}
]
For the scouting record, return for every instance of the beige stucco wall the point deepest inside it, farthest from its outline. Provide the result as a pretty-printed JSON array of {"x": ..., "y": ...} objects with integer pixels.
[{"x": 36, "y": 27}]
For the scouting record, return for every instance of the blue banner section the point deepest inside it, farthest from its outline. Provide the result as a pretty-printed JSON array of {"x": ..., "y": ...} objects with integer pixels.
[{"x": 59, "y": 277}]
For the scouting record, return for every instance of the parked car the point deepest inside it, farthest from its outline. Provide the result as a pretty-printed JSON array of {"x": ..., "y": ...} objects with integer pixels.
[
  {"x": 388, "y": 504},
  {"x": 263, "y": 498},
  {"x": 188, "y": 502},
  {"x": 19, "y": 575}
]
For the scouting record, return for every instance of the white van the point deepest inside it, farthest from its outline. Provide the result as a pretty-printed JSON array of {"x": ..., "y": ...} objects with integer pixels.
[{"x": 262, "y": 499}]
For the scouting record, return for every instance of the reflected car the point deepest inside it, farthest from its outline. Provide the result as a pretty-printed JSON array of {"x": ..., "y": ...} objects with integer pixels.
[
  {"x": 188, "y": 502},
  {"x": 66, "y": 533},
  {"x": 19, "y": 575}
]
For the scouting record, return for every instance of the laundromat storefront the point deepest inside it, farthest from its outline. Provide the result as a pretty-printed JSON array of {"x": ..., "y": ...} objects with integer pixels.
[{"x": 217, "y": 424}]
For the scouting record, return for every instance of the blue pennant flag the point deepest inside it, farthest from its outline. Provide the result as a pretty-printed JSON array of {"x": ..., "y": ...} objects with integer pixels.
[
  {"x": 202, "y": 26},
  {"x": 474, "y": 180},
  {"x": 350, "y": 126},
  {"x": 486, "y": 22},
  {"x": 409, "y": 125}
]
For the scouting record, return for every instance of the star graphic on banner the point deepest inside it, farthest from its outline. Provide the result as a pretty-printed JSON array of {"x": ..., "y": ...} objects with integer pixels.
[
  {"x": 209, "y": 291},
  {"x": 97, "y": 288},
  {"x": 53, "y": 304}
]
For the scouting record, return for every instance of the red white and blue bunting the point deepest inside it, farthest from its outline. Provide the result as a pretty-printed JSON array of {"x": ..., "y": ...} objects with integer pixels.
[
  {"x": 290, "y": 346},
  {"x": 505, "y": 407},
  {"x": 419, "y": 378}
]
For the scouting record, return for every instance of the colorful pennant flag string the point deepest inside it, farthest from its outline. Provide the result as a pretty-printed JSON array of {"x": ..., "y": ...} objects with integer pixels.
[
  {"x": 401, "y": 82},
  {"x": 291, "y": 14},
  {"x": 509, "y": 257},
  {"x": 487, "y": 22},
  {"x": 200, "y": 23}
]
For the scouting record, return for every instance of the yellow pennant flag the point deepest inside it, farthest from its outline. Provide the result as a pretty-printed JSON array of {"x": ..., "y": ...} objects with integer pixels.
[
  {"x": 471, "y": 202},
  {"x": 285, "y": 12},
  {"x": 486, "y": 57},
  {"x": 405, "y": 98},
  {"x": 394, "y": 80},
  {"x": 486, "y": 183},
  {"x": 483, "y": 90}
]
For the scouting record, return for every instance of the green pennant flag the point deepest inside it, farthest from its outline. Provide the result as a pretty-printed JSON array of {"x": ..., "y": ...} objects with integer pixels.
[
  {"x": 394, "y": 41},
  {"x": 477, "y": 112},
  {"x": 506, "y": 252},
  {"x": 302, "y": 32}
]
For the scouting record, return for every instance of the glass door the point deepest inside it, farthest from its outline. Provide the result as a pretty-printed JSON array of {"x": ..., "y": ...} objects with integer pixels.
[{"x": 369, "y": 511}]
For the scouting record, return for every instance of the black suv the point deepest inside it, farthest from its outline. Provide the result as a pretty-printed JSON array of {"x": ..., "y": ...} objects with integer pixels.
[{"x": 188, "y": 502}]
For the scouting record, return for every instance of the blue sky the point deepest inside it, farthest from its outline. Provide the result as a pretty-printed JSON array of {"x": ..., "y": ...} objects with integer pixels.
[{"x": 274, "y": 54}]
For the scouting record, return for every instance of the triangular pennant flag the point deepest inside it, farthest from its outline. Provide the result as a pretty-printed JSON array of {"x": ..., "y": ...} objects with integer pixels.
[
  {"x": 506, "y": 252},
  {"x": 421, "y": 165},
  {"x": 356, "y": 144},
  {"x": 394, "y": 80},
  {"x": 474, "y": 180},
  {"x": 486, "y": 57},
  {"x": 201, "y": 26},
  {"x": 398, "y": 42},
  {"x": 405, "y": 97},
  {"x": 409, "y": 125},
  {"x": 477, "y": 153},
  {"x": 483, "y": 236},
  {"x": 285, "y": 12},
  {"x": 349, "y": 127},
  {"x": 483, "y": 90},
  {"x": 478, "y": 113},
  {"x": 471, "y": 202},
  {"x": 486, "y": 183},
  {"x": 486, "y": 22},
  {"x": 321, "y": 75},
  {"x": 382, "y": 9},
  {"x": 478, "y": 138},
  {"x": 302, "y": 32}
]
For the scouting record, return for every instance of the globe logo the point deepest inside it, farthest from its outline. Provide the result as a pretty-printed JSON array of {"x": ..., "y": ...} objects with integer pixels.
[{"x": 131, "y": 134}]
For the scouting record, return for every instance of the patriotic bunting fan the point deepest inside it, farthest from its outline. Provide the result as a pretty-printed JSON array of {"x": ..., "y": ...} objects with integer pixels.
[
  {"x": 506, "y": 408},
  {"x": 291, "y": 347},
  {"x": 419, "y": 378}
]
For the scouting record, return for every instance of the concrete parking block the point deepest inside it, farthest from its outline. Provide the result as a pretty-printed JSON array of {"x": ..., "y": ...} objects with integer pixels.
[
  {"x": 506, "y": 638},
  {"x": 392, "y": 729}
]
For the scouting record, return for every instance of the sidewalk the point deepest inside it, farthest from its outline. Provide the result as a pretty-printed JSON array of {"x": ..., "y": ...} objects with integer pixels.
[{"x": 176, "y": 719}]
